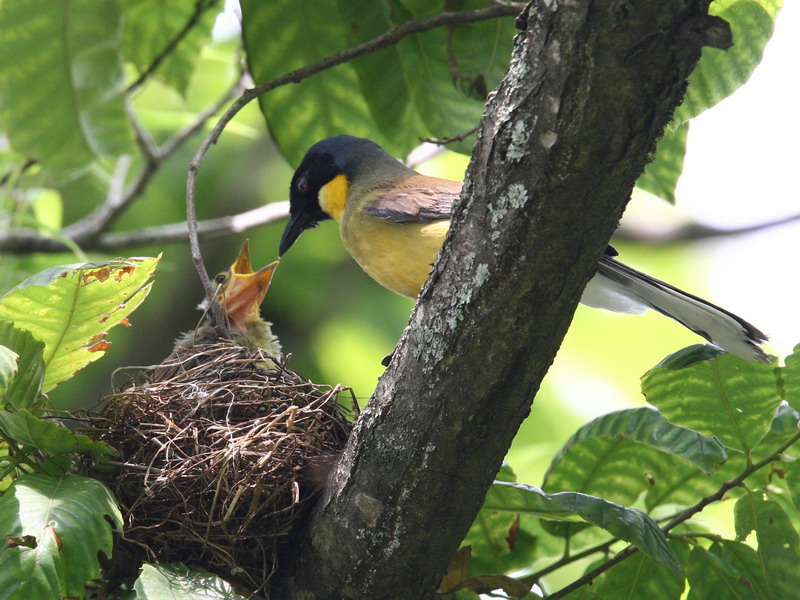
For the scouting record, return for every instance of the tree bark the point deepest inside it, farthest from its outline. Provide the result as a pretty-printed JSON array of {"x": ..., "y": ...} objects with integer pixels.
[{"x": 563, "y": 139}]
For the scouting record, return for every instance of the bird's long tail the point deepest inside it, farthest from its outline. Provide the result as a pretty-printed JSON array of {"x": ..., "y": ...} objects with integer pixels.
[{"x": 620, "y": 288}]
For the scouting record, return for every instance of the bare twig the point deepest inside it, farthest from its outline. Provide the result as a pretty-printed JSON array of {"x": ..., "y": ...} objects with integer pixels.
[
  {"x": 88, "y": 232},
  {"x": 696, "y": 231},
  {"x": 391, "y": 37},
  {"x": 179, "y": 232},
  {"x": 680, "y": 518},
  {"x": 449, "y": 140},
  {"x": 158, "y": 234},
  {"x": 568, "y": 559},
  {"x": 200, "y": 7}
]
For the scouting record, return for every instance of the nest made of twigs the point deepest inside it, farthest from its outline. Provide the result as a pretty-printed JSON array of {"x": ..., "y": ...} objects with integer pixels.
[{"x": 216, "y": 459}]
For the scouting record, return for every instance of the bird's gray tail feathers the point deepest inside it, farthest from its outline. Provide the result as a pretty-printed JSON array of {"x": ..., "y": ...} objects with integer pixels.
[{"x": 620, "y": 288}]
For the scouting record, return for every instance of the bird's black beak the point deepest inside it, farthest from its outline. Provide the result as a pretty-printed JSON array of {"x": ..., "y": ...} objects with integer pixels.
[{"x": 297, "y": 224}]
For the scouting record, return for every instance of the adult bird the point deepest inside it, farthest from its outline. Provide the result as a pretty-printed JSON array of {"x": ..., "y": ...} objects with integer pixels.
[
  {"x": 393, "y": 221},
  {"x": 240, "y": 291}
]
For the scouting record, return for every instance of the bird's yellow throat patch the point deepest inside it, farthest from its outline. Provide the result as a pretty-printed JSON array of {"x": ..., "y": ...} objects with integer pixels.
[{"x": 333, "y": 196}]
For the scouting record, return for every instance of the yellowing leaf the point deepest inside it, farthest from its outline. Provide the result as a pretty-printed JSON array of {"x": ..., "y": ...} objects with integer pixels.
[{"x": 70, "y": 307}]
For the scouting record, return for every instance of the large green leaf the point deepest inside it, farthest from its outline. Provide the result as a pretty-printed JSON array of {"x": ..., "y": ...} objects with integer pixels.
[
  {"x": 721, "y": 72},
  {"x": 35, "y": 432},
  {"x": 778, "y": 542},
  {"x": 60, "y": 69},
  {"x": 728, "y": 570},
  {"x": 642, "y": 577},
  {"x": 57, "y": 527},
  {"x": 70, "y": 308},
  {"x": 283, "y": 35},
  {"x": 431, "y": 83},
  {"x": 24, "y": 387},
  {"x": 620, "y": 470},
  {"x": 623, "y": 454},
  {"x": 445, "y": 110},
  {"x": 684, "y": 485},
  {"x": 624, "y": 523},
  {"x": 661, "y": 176},
  {"x": 177, "y": 582},
  {"x": 393, "y": 109},
  {"x": 151, "y": 25},
  {"x": 649, "y": 428},
  {"x": 727, "y": 397},
  {"x": 790, "y": 379}
]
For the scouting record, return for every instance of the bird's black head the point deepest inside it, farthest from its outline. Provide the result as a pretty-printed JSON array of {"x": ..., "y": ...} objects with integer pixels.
[{"x": 321, "y": 183}]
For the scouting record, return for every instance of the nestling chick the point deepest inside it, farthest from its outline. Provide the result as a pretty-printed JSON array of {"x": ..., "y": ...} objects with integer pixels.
[{"x": 240, "y": 292}]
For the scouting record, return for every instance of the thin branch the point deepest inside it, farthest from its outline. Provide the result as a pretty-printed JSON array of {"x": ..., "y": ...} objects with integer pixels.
[
  {"x": 209, "y": 229},
  {"x": 568, "y": 559},
  {"x": 88, "y": 231},
  {"x": 449, "y": 140},
  {"x": 696, "y": 231},
  {"x": 680, "y": 518},
  {"x": 24, "y": 242},
  {"x": 199, "y": 8},
  {"x": 385, "y": 40}
]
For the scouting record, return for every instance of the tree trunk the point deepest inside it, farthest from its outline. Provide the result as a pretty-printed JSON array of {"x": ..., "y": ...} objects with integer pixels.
[{"x": 563, "y": 139}]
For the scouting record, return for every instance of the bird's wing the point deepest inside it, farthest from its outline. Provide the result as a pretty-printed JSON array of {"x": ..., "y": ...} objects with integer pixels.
[{"x": 420, "y": 200}]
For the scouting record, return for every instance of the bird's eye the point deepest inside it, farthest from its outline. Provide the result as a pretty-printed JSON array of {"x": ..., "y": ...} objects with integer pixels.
[
  {"x": 220, "y": 279},
  {"x": 302, "y": 185}
]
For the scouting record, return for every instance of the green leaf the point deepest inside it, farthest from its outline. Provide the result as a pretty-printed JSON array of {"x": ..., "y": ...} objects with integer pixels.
[
  {"x": 790, "y": 379},
  {"x": 625, "y": 453},
  {"x": 784, "y": 427},
  {"x": 720, "y": 72},
  {"x": 70, "y": 308},
  {"x": 59, "y": 525},
  {"x": 649, "y": 428},
  {"x": 431, "y": 83},
  {"x": 727, "y": 397},
  {"x": 621, "y": 470},
  {"x": 661, "y": 176},
  {"x": 23, "y": 389},
  {"x": 60, "y": 69},
  {"x": 642, "y": 577},
  {"x": 684, "y": 485},
  {"x": 325, "y": 104},
  {"x": 686, "y": 357},
  {"x": 8, "y": 368},
  {"x": 449, "y": 92},
  {"x": 393, "y": 110},
  {"x": 150, "y": 26},
  {"x": 793, "y": 481},
  {"x": 177, "y": 582},
  {"x": 30, "y": 430},
  {"x": 728, "y": 570},
  {"x": 778, "y": 542},
  {"x": 624, "y": 523}
]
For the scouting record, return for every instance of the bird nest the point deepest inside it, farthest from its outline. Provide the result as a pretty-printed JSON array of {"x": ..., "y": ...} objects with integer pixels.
[{"x": 221, "y": 460}]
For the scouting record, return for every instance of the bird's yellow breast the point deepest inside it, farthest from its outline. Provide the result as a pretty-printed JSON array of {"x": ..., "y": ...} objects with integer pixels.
[{"x": 399, "y": 256}]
